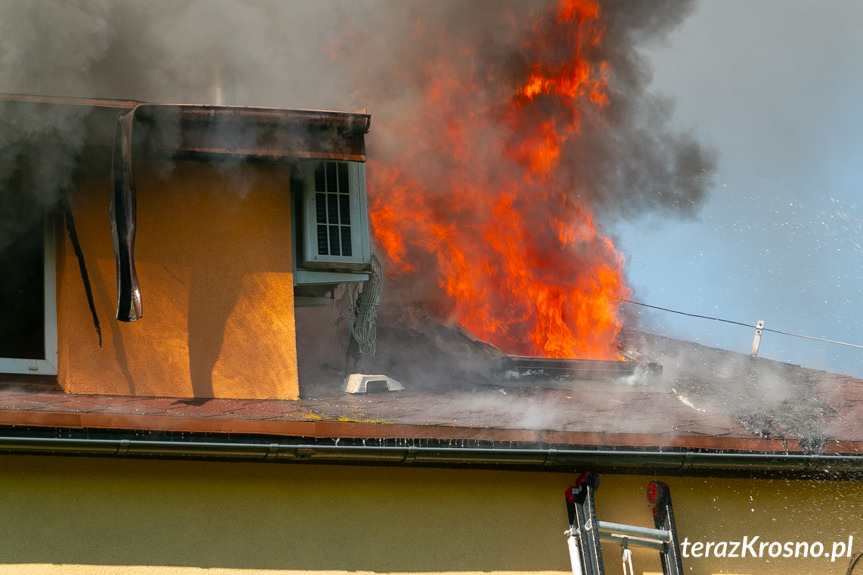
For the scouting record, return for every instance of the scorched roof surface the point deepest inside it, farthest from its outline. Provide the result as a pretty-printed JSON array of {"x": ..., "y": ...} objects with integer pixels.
[{"x": 701, "y": 399}]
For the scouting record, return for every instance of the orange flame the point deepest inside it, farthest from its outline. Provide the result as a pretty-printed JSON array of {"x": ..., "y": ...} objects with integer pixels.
[{"x": 520, "y": 263}]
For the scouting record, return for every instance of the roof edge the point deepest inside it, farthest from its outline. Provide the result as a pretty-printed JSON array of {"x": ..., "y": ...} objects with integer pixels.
[
  {"x": 692, "y": 463},
  {"x": 263, "y": 112}
]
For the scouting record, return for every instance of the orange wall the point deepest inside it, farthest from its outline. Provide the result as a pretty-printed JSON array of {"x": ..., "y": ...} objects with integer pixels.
[{"x": 213, "y": 255}]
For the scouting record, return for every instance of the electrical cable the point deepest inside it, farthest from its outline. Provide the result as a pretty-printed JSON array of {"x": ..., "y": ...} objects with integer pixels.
[
  {"x": 742, "y": 324},
  {"x": 687, "y": 314},
  {"x": 363, "y": 327},
  {"x": 853, "y": 563},
  {"x": 813, "y": 338}
]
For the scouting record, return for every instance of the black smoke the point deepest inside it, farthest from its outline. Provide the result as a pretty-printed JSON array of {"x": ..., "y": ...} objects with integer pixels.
[
  {"x": 381, "y": 55},
  {"x": 353, "y": 55}
]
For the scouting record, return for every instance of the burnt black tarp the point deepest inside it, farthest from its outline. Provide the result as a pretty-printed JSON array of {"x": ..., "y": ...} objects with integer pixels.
[{"x": 123, "y": 220}]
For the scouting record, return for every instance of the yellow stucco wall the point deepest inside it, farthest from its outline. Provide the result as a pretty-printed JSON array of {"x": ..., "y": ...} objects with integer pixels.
[
  {"x": 213, "y": 254},
  {"x": 93, "y": 516}
]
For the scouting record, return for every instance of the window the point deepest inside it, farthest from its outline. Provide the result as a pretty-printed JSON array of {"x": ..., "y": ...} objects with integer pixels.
[
  {"x": 336, "y": 220},
  {"x": 333, "y": 209},
  {"x": 28, "y": 308}
]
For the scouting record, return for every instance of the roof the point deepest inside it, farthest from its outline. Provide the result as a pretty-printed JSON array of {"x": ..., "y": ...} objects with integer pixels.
[
  {"x": 465, "y": 400},
  {"x": 194, "y": 130},
  {"x": 706, "y": 407}
]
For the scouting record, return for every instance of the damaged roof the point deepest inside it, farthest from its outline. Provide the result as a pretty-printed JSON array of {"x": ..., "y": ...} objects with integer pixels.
[
  {"x": 191, "y": 130},
  {"x": 701, "y": 402},
  {"x": 670, "y": 401}
]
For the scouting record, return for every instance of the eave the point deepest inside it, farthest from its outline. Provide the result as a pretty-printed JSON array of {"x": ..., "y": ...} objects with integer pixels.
[
  {"x": 345, "y": 429},
  {"x": 201, "y": 131},
  {"x": 411, "y": 454}
]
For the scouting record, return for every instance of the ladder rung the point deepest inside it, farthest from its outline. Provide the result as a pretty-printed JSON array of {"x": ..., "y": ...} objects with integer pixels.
[
  {"x": 633, "y": 541},
  {"x": 658, "y": 535}
]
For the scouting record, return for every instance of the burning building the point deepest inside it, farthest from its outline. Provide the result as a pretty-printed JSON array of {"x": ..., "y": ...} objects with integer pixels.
[
  {"x": 221, "y": 220},
  {"x": 189, "y": 422},
  {"x": 506, "y": 146}
]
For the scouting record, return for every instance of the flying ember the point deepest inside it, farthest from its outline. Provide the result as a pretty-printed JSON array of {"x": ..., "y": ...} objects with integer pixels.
[{"x": 471, "y": 192}]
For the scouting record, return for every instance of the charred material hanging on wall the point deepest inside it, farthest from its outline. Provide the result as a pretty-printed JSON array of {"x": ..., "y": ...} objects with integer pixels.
[
  {"x": 79, "y": 254},
  {"x": 123, "y": 218},
  {"x": 176, "y": 132}
]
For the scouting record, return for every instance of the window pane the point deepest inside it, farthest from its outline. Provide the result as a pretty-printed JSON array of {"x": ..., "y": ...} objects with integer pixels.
[
  {"x": 346, "y": 242},
  {"x": 332, "y": 184},
  {"x": 319, "y": 179},
  {"x": 334, "y": 241},
  {"x": 332, "y": 208},
  {"x": 322, "y": 241},
  {"x": 22, "y": 284},
  {"x": 344, "y": 209},
  {"x": 321, "y": 208},
  {"x": 344, "y": 186}
]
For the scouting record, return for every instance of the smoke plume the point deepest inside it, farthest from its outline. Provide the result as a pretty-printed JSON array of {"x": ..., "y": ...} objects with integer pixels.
[
  {"x": 349, "y": 55},
  {"x": 529, "y": 128},
  {"x": 434, "y": 75},
  {"x": 625, "y": 159}
]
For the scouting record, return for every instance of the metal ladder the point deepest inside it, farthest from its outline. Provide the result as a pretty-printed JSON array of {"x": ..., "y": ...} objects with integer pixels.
[{"x": 585, "y": 532}]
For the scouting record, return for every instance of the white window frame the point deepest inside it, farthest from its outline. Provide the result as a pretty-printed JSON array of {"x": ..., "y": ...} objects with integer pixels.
[
  {"x": 360, "y": 245},
  {"x": 47, "y": 366}
]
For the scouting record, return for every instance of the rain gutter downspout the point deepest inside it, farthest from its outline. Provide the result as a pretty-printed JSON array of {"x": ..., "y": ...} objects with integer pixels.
[{"x": 540, "y": 459}]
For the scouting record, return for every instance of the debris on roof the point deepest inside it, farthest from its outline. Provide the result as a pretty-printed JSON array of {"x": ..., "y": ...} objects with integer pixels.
[{"x": 770, "y": 400}]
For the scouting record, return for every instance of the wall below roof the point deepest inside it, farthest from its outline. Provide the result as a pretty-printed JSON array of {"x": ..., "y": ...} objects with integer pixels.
[
  {"x": 213, "y": 254},
  {"x": 92, "y": 516}
]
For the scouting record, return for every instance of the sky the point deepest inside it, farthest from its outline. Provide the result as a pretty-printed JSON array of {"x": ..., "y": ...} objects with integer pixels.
[{"x": 774, "y": 87}]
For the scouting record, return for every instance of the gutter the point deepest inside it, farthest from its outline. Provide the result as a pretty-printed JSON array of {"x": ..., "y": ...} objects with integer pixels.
[{"x": 535, "y": 459}]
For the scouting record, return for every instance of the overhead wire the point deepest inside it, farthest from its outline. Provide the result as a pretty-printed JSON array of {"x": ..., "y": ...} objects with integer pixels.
[
  {"x": 742, "y": 324},
  {"x": 686, "y": 314}
]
